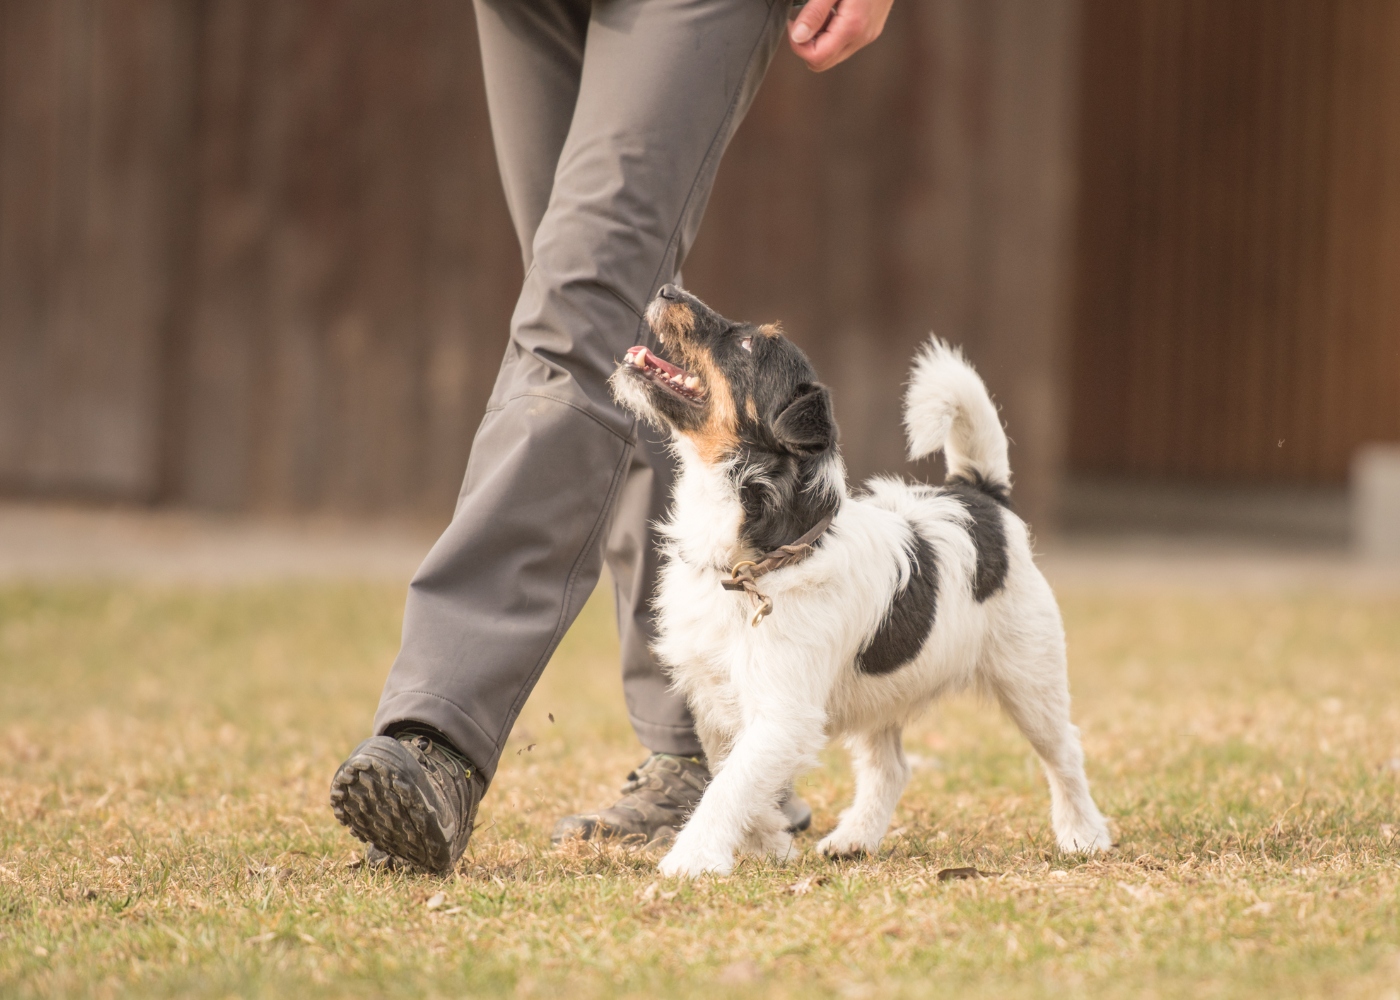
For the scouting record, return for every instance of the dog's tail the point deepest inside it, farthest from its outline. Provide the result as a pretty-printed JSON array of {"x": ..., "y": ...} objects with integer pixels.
[{"x": 946, "y": 407}]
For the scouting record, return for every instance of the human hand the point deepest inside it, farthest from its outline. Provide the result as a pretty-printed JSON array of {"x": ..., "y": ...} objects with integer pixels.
[{"x": 827, "y": 32}]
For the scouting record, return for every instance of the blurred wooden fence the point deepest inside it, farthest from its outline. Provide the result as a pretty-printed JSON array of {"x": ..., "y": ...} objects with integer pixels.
[
  {"x": 253, "y": 252},
  {"x": 1238, "y": 285}
]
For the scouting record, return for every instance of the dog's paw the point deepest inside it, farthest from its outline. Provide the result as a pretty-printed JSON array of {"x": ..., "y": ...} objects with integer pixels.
[
  {"x": 1087, "y": 838},
  {"x": 845, "y": 844},
  {"x": 774, "y": 844},
  {"x": 686, "y": 862}
]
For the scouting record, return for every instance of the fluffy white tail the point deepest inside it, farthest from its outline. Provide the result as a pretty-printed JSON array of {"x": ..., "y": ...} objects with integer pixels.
[{"x": 946, "y": 408}]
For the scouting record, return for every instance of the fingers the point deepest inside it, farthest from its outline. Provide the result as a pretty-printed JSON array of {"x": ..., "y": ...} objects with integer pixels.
[
  {"x": 810, "y": 21},
  {"x": 835, "y": 29},
  {"x": 826, "y": 50}
]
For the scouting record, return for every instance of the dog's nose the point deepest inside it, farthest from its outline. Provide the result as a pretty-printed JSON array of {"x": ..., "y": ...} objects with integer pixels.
[{"x": 670, "y": 293}]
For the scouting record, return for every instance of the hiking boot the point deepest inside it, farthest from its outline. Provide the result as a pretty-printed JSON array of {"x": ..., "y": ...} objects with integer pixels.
[
  {"x": 656, "y": 801},
  {"x": 410, "y": 797},
  {"x": 658, "y": 798},
  {"x": 798, "y": 813}
]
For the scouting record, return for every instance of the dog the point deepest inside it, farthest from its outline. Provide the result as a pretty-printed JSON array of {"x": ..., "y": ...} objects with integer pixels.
[{"x": 791, "y": 610}]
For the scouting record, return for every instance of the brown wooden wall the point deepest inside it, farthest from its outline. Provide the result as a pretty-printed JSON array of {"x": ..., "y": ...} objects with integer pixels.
[
  {"x": 1237, "y": 299},
  {"x": 353, "y": 266},
  {"x": 253, "y": 253},
  {"x": 95, "y": 105}
]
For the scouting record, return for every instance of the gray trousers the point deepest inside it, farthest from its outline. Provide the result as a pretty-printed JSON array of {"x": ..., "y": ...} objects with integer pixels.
[{"x": 609, "y": 119}]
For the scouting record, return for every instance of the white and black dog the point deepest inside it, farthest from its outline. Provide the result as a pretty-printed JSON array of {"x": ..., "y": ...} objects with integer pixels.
[{"x": 792, "y": 611}]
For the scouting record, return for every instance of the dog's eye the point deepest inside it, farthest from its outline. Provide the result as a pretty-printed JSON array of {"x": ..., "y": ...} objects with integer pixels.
[{"x": 747, "y": 344}]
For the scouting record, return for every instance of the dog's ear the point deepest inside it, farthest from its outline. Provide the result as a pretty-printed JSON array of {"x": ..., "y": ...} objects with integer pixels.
[{"x": 805, "y": 425}]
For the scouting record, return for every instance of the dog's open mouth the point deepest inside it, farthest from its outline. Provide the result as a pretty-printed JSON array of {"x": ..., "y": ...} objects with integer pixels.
[{"x": 670, "y": 377}]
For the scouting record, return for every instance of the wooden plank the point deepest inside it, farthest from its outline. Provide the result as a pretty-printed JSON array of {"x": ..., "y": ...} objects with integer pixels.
[
  {"x": 1362, "y": 398},
  {"x": 94, "y": 119},
  {"x": 31, "y": 83},
  {"x": 216, "y": 389},
  {"x": 1112, "y": 57}
]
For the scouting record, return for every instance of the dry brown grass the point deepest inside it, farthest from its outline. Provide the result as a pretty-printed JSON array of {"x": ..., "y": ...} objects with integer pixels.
[{"x": 164, "y": 757}]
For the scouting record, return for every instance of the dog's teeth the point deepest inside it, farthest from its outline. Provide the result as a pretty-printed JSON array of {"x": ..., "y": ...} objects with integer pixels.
[{"x": 691, "y": 382}]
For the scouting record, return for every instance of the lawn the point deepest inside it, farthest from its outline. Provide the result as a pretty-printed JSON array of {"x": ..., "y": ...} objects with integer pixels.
[{"x": 165, "y": 756}]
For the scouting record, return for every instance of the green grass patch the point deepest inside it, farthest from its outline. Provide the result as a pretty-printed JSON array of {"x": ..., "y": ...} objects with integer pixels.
[{"x": 165, "y": 756}]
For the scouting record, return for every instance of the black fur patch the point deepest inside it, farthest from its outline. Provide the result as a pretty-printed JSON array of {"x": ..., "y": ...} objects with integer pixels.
[
  {"x": 984, "y": 501},
  {"x": 999, "y": 492},
  {"x": 787, "y": 435},
  {"x": 779, "y": 504},
  {"x": 910, "y": 619}
]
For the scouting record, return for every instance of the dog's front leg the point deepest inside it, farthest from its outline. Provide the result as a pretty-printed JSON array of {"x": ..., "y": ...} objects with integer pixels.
[{"x": 768, "y": 754}]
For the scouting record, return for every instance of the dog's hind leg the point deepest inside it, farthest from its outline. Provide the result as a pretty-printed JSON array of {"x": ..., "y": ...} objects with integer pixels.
[
  {"x": 881, "y": 774},
  {"x": 1034, "y": 691}
]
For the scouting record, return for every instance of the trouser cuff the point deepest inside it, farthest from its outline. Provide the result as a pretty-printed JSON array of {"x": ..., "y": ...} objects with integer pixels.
[
  {"x": 460, "y": 728},
  {"x": 661, "y": 738}
]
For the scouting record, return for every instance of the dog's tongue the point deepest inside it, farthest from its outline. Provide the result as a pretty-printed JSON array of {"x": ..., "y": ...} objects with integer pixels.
[{"x": 640, "y": 353}]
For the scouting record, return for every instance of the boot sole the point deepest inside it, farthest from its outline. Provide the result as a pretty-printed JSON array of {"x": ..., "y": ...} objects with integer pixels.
[{"x": 373, "y": 794}]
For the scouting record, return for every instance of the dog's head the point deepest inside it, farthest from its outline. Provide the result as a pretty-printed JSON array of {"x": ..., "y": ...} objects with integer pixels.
[
  {"x": 746, "y": 399},
  {"x": 733, "y": 390}
]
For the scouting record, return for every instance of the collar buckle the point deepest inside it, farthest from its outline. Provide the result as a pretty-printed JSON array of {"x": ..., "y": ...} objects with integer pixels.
[{"x": 745, "y": 573}]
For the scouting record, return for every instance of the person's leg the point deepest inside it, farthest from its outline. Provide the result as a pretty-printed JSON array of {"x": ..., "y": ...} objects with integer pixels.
[
  {"x": 410, "y": 794},
  {"x": 532, "y": 55},
  {"x": 532, "y": 61},
  {"x": 664, "y": 84}
]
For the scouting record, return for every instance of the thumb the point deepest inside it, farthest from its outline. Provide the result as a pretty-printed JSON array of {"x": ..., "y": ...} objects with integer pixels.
[{"x": 810, "y": 20}]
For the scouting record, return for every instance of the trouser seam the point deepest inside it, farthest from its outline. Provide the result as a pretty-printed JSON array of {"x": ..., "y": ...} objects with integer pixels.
[
  {"x": 622, "y": 300},
  {"x": 570, "y": 582},
  {"x": 625, "y": 439}
]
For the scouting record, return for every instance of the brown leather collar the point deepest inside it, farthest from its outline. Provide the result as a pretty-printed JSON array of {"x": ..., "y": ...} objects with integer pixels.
[{"x": 745, "y": 573}]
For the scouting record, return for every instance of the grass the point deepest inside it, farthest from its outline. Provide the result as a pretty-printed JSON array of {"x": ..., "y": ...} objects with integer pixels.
[{"x": 165, "y": 754}]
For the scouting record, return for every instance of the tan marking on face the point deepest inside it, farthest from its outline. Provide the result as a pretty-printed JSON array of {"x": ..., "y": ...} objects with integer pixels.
[
  {"x": 771, "y": 329},
  {"x": 751, "y": 408},
  {"x": 719, "y": 436},
  {"x": 677, "y": 318}
]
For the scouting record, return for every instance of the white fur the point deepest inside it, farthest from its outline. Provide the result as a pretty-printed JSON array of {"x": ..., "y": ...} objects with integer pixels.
[
  {"x": 946, "y": 408},
  {"x": 767, "y": 698}
]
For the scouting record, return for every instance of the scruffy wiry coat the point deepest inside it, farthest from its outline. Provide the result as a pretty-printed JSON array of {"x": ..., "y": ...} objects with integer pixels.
[{"x": 913, "y": 592}]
